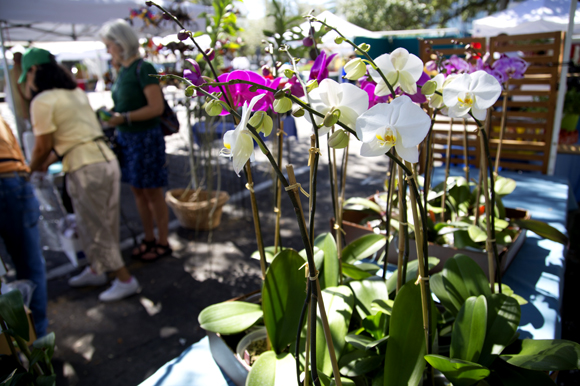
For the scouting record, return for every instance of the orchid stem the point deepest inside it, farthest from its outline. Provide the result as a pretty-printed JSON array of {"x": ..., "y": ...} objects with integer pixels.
[
  {"x": 403, "y": 231},
  {"x": 388, "y": 210},
  {"x": 256, "y": 220},
  {"x": 278, "y": 195},
  {"x": 447, "y": 161},
  {"x": 502, "y": 124},
  {"x": 465, "y": 151}
]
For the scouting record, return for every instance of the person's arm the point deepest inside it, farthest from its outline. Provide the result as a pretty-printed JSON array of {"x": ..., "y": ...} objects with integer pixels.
[
  {"x": 153, "y": 108},
  {"x": 42, "y": 147}
]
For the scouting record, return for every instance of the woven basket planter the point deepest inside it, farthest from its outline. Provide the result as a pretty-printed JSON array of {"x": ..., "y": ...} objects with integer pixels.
[{"x": 193, "y": 211}]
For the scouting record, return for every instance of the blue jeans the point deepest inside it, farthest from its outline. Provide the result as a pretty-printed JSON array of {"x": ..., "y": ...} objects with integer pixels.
[{"x": 19, "y": 213}]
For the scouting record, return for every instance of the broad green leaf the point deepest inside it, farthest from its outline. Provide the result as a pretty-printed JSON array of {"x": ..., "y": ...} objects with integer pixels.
[
  {"x": 273, "y": 370},
  {"x": 269, "y": 253},
  {"x": 364, "y": 342},
  {"x": 12, "y": 311},
  {"x": 283, "y": 295},
  {"x": 506, "y": 290},
  {"x": 459, "y": 372},
  {"x": 363, "y": 247},
  {"x": 46, "y": 344},
  {"x": 469, "y": 329},
  {"x": 507, "y": 375},
  {"x": 544, "y": 355},
  {"x": 462, "y": 240},
  {"x": 344, "y": 381},
  {"x": 338, "y": 303},
  {"x": 329, "y": 275},
  {"x": 46, "y": 380},
  {"x": 404, "y": 362},
  {"x": 359, "y": 362},
  {"x": 367, "y": 291},
  {"x": 376, "y": 325},
  {"x": 383, "y": 305},
  {"x": 229, "y": 317},
  {"x": 318, "y": 257},
  {"x": 504, "y": 186},
  {"x": 460, "y": 278},
  {"x": 543, "y": 230},
  {"x": 503, "y": 318},
  {"x": 354, "y": 272},
  {"x": 412, "y": 270},
  {"x": 359, "y": 203},
  {"x": 476, "y": 234}
]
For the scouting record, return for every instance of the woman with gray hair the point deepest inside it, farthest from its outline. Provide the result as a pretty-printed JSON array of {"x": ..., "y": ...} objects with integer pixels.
[{"x": 138, "y": 105}]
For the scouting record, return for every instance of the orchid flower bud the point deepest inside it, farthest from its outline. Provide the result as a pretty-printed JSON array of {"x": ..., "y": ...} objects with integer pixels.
[
  {"x": 298, "y": 113},
  {"x": 183, "y": 35},
  {"x": 307, "y": 42},
  {"x": 210, "y": 53},
  {"x": 355, "y": 69},
  {"x": 429, "y": 88},
  {"x": 189, "y": 91},
  {"x": 282, "y": 105},
  {"x": 280, "y": 94},
  {"x": 288, "y": 73},
  {"x": 339, "y": 40},
  {"x": 213, "y": 108},
  {"x": 364, "y": 47},
  {"x": 311, "y": 85},
  {"x": 262, "y": 122},
  {"x": 331, "y": 118},
  {"x": 339, "y": 139}
]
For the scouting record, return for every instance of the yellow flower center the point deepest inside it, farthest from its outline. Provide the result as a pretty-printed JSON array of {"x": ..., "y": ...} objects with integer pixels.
[
  {"x": 467, "y": 101},
  {"x": 388, "y": 138},
  {"x": 228, "y": 146}
]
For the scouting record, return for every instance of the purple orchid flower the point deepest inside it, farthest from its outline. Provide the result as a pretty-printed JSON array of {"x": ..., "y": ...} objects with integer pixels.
[
  {"x": 456, "y": 65},
  {"x": 241, "y": 92},
  {"x": 369, "y": 87},
  {"x": 319, "y": 69},
  {"x": 512, "y": 67},
  {"x": 295, "y": 87},
  {"x": 194, "y": 76}
]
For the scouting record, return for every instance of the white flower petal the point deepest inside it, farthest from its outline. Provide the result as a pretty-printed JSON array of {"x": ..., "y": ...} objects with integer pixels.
[
  {"x": 479, "y": 114},
  {"x": 242, "y": 151},
  {"x": 454, "y": 89},
  {"x": 486, "y": 89},
  {"x": 414, "y": 67},
  {"x": 408, "y": 84},
  {"x": 382, "y": 89},
  {"x": 412, "y": 124},
  {"x": 385, "y": 64},
  {"x": 373, "y": 149},
  {"x": 229, "y": 139},
  {"x": 399, "y": 58},
  {"x": 372, "y": 120},
  {"x": 457, "y": 111},
  {"x": 354, "y": 97},
  {"x": 330, "y": 92},
  {"x": 410, "y": 154}
]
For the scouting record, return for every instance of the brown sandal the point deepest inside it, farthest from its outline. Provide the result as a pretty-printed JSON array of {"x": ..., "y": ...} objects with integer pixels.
[
  {"x": 149, "y": 246},
  {"x": 159, "y": 251}
]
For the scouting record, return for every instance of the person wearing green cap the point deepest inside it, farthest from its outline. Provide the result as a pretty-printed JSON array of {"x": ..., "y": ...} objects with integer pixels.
[{"x": 63, "y": 121}]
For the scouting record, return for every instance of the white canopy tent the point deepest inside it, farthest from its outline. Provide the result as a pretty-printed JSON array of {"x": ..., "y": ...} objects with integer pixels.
[
  {"x": 531, "y": 16},
  {"x": 536, "y": 16}
]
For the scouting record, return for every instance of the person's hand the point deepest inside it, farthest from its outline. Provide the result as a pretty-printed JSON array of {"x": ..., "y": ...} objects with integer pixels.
[
  {"x": 116, "y": 120},
  {"x": 37, "y": 177}
]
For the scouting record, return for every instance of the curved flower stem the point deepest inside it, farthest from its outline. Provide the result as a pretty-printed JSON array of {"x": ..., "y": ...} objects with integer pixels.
[
  {"x": 403, "y": 230},
  {"x": 490, "y": 205},
  {"x": 429, "y": 159},
  {"x": 465, "y": 151},
  {"x": 278, "y": 195},
  {"x": 356, "y": 48},
  {"x": 299, "y": 333},
  {"x": 201, "y": 51}
]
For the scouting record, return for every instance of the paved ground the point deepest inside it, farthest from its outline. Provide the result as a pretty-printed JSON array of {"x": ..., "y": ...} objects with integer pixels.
[{"x": 125, "y": 342}]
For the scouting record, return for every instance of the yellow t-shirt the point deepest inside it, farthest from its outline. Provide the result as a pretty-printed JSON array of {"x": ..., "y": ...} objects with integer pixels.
[{"x": 68, "y": 115}]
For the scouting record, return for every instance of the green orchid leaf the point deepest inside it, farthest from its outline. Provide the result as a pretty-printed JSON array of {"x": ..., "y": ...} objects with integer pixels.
[
  {"x": 365, "y": 292},
  {"x": 282, "y": 298},
  {"x": 412, "y": 271},
  {"x": 329, "y": 275},
  {"x": 460, "y": 278},
  {"x": 544, "y": 355},
  {"x": 504, "y": 238},
  {"x": 354, "y": 272},
  {"x": 13, "y": 313},
  {"x": 503, "y": 318},
  {"x": 506, "y": 290},
  {"x": 318, "y": 257},
  {"x": 462, "y": 240},
  {"x": 507, "y": 375},
  {"x": 359, "y": 341},
  {"x": 382, "y": 305},
  {"x": 268, "y": 252},
  {"x": 376, "y": 325},
  {"x": 229, "y": 317},
  {"x": 543, "y": 230},
  {"x": 339, "y": 304},
  {"x": 46, "y": 344},
  {"x": 359, "y": 362},
  {"x": 46, "y": 380},
  {"x": 504, "y": 186},
  {"x": 469, "y": 329},
  {"x": 476, "y": 234},
  {"x": 359, "y": 204},
  {"x": 363, "y": 247},
  {"x": 459, "y": 372},
  {"x": 344, "y": 381},
  {"x": 404, "y": 359},
  {"x": 273, "y": 370}
]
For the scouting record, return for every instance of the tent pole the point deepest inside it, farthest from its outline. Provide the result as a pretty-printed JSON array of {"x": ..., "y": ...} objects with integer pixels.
[
  {"x": 562, "y": 89},
  {"x": 9, "y": 83}
]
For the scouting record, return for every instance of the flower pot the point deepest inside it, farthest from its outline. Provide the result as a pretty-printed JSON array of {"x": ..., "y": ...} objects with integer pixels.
[
  {"x": 196, "y": 210},
  {"x": 244, "y": 346},
  {"x": 569, "y": 122}
]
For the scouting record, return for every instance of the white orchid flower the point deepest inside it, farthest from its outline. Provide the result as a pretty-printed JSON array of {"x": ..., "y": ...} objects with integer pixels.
[
  {"x": 400, "y": 123},
  {"x": 350, "y": 100},
  {"x": 238, "y": 143},
  {"x": 474, "y": 92},
  {"x": 400, "y": 68}
]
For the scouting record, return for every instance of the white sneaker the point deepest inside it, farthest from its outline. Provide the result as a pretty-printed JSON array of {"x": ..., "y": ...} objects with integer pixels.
[
  {"x": 120, "y": 290},
  {"x": 87, "y": 277}
]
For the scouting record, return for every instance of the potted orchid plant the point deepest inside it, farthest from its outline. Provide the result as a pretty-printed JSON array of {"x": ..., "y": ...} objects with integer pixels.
[{"x": 336, "y": 321}]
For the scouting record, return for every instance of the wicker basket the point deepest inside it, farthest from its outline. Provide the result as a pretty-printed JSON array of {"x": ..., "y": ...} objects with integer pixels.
[{"x": 193, "y": 210}]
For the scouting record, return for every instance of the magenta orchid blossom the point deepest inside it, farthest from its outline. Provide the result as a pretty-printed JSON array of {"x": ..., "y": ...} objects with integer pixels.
[
  {"x": 194, "y": 75},
  {"x": 512, "y": 67},
  {"x": 319, "y": 70}
]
